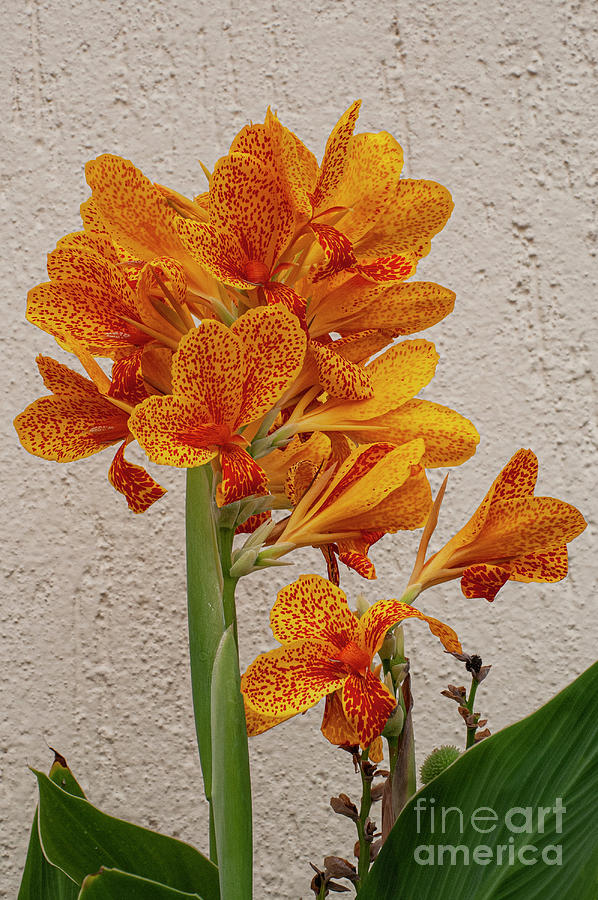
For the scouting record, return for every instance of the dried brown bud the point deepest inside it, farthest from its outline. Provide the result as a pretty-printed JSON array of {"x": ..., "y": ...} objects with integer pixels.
[
  {"x": 375, "y": 849},
  {"x": 337, "y": 867},
  {"x": 344, "y": 807},
  {"x": 482, "y": 673},
  {"x": 481, "y": 735}
]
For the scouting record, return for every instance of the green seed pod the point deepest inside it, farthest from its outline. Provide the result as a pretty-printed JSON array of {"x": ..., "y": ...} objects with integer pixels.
[{"x": 438, "y": 761}]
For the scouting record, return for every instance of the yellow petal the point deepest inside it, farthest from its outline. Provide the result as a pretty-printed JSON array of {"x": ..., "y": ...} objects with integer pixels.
[{"x": 313, "y": 609}]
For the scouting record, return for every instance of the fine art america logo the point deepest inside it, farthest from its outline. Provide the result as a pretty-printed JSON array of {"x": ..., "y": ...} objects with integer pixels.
[{"x": 507, "y": 846}]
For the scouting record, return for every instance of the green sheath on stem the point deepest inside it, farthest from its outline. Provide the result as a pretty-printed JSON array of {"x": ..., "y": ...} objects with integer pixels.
[{"x": 204, "y": 607}]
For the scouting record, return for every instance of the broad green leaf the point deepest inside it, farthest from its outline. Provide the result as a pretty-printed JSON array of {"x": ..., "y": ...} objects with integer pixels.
[
  {"x": 231, "y": 786},
  {"x": 79, "y": 839},
  {"x": 204, "y": 606},
  {"x": 112, "y": 884},
  {"x": 531, "y": 789},
  {"x": 41, "y": 880}
]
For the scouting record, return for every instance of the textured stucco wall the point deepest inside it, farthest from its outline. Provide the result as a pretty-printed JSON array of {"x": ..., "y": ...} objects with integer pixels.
[{"x": 497, "y": 101}]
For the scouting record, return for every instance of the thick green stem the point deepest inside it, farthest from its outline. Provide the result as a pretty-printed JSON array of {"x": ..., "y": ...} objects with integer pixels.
[
  {"x": 364, "y": 811},
  {"x": 226, "y": 536},
  {"x": 204, "y": 607}
]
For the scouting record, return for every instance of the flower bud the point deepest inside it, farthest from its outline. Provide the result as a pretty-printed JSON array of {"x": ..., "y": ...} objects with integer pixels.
[
  {"x": 389, "y": 646},
  {"x": 361, "y": 606},
  {"x": 394, "y": 725}
]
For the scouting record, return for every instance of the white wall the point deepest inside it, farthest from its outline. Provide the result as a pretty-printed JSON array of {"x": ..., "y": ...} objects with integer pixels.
[{"x": 497, "y": 101}]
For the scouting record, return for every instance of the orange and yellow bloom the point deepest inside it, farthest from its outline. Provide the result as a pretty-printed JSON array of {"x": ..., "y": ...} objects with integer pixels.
[
  {"x": 326, "y": 648},
  {"x": 513, "y": 535},
  {"x": 222, "y": 380}
]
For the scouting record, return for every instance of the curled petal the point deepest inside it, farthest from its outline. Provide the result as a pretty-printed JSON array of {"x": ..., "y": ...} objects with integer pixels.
[
  {"x": 313, "y": 609},
  {"x": 385, "y": 613},
  {"x": 241, "y": 476},
  {"x": 483, "y": 580},
  {"x": 290, "y": 680},
  {"x": 367, "y": 704},
  {"x": 138, "y": 487}
]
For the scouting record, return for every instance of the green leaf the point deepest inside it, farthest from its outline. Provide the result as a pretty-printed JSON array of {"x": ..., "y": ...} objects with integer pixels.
[
  {"x": 549, "y": 760},
  {"x": 79, "y": 839},
  {"x": 204, "y": 606},
  {"x": 41, "y": 880},
  {"x": 112, "y": 884},
  {"x": 231, "y": 786}
]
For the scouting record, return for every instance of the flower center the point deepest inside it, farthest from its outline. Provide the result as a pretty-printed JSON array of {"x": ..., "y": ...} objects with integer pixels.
[
  {"x": 256, "y": 271},
  {"x": 355, "y": 658}
]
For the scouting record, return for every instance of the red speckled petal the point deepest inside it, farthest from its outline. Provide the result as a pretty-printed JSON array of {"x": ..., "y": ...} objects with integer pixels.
[
  {"x": 241, "y": 476},
  {"x": 89, "y": 312},
  {"x": 385, "y": 613},
  {"x": 276, "y": 292},
  {"x": 208, "y": 371},
  {"x": 138, "y": 487},
  {"x": 401, "y": 308},
  {"x": 135, "y": 213},
  {"x": 450, "y": 438},
  {"x": 549, "y": 565},
  {"x": 367, "y": 704},
  {"x": 273, "y": 345},
  {"x": 337, "y": 729},
  {"x": 353, "y": 553},
  {"x": 68, "y": 263},
  {"x": 313, "y": 609},
  {"x": 59, "y": 379},
  {"x": 291, "y": 679},
  {"x": 69, "y": 427},
  {"x": 483, "y": 580},
  {"x": 335, "y": 156},
  {"x": 417, "y": 211},
  {"x": 405, "y": 508},
  {"x": 515, "y": 528},
  {"x": 518, "y": 478},
  {"x": 338, "y": 376},
  {"x": 257, "y": 723},
  {"x": 172, "y": 432},
  {"x": 253, "y": 522},
  {"x": 337, "y": 249},
  {"x": 386, "y": 268},
  {"x": 219, "y": 254},
  {"x": 127, "y": 379},
  {"x": 247, "y": 202}
]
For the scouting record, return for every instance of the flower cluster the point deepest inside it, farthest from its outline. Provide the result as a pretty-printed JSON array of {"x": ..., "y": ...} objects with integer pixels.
[{"x": 263, "y": 328}]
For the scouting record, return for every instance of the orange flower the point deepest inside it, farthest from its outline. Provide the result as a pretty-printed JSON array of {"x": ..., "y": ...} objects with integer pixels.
[
  {"x": 326, "y": 648},
  {"x": 222, "y": 380},
  {"x": 106, "y": 308},
  {"x": 137, "y": 214},
  {"x": 513, "y": 535},
  {"x": 77, "y": 421},
  {"x": 390, "y": 411},
  {"x": 379, "y": 488},
  {"x": 251, "y": 223}
]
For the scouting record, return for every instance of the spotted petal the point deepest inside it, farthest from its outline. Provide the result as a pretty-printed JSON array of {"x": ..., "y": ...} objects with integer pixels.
[
  {"x": 173, "y": 434},
  {"x": 313, "y": 609},
  {"x": 291, "y": 679},
  {"x": 241, "y": 476},
  {"x": 138, "y": 487},
  {"x": 385, "y": 613},
  {"x": 367, "y": 704}
]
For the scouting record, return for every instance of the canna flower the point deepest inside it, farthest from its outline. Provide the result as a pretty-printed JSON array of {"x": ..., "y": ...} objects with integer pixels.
[
  {"x": 391, "y": 412},
  {"x": 138, "y": 215},
  {"x": 76, "y": 421},
  {"x": 379, "y": 488},
  {"x": 94, "y": 301},
  {"x": 326, "y": 648},
  {"x": 513, "y": 535},
  {"x": 250, "y": 224},
  {"x": 222, "y": 380}
]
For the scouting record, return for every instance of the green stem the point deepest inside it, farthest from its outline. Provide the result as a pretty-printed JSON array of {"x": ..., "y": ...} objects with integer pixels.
[
  {"x": 204, "y": 607},
  {"x": 226, "y": 537},
  {"x": 469, "y": 704},
  {"x": 364, "y": 811}
]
